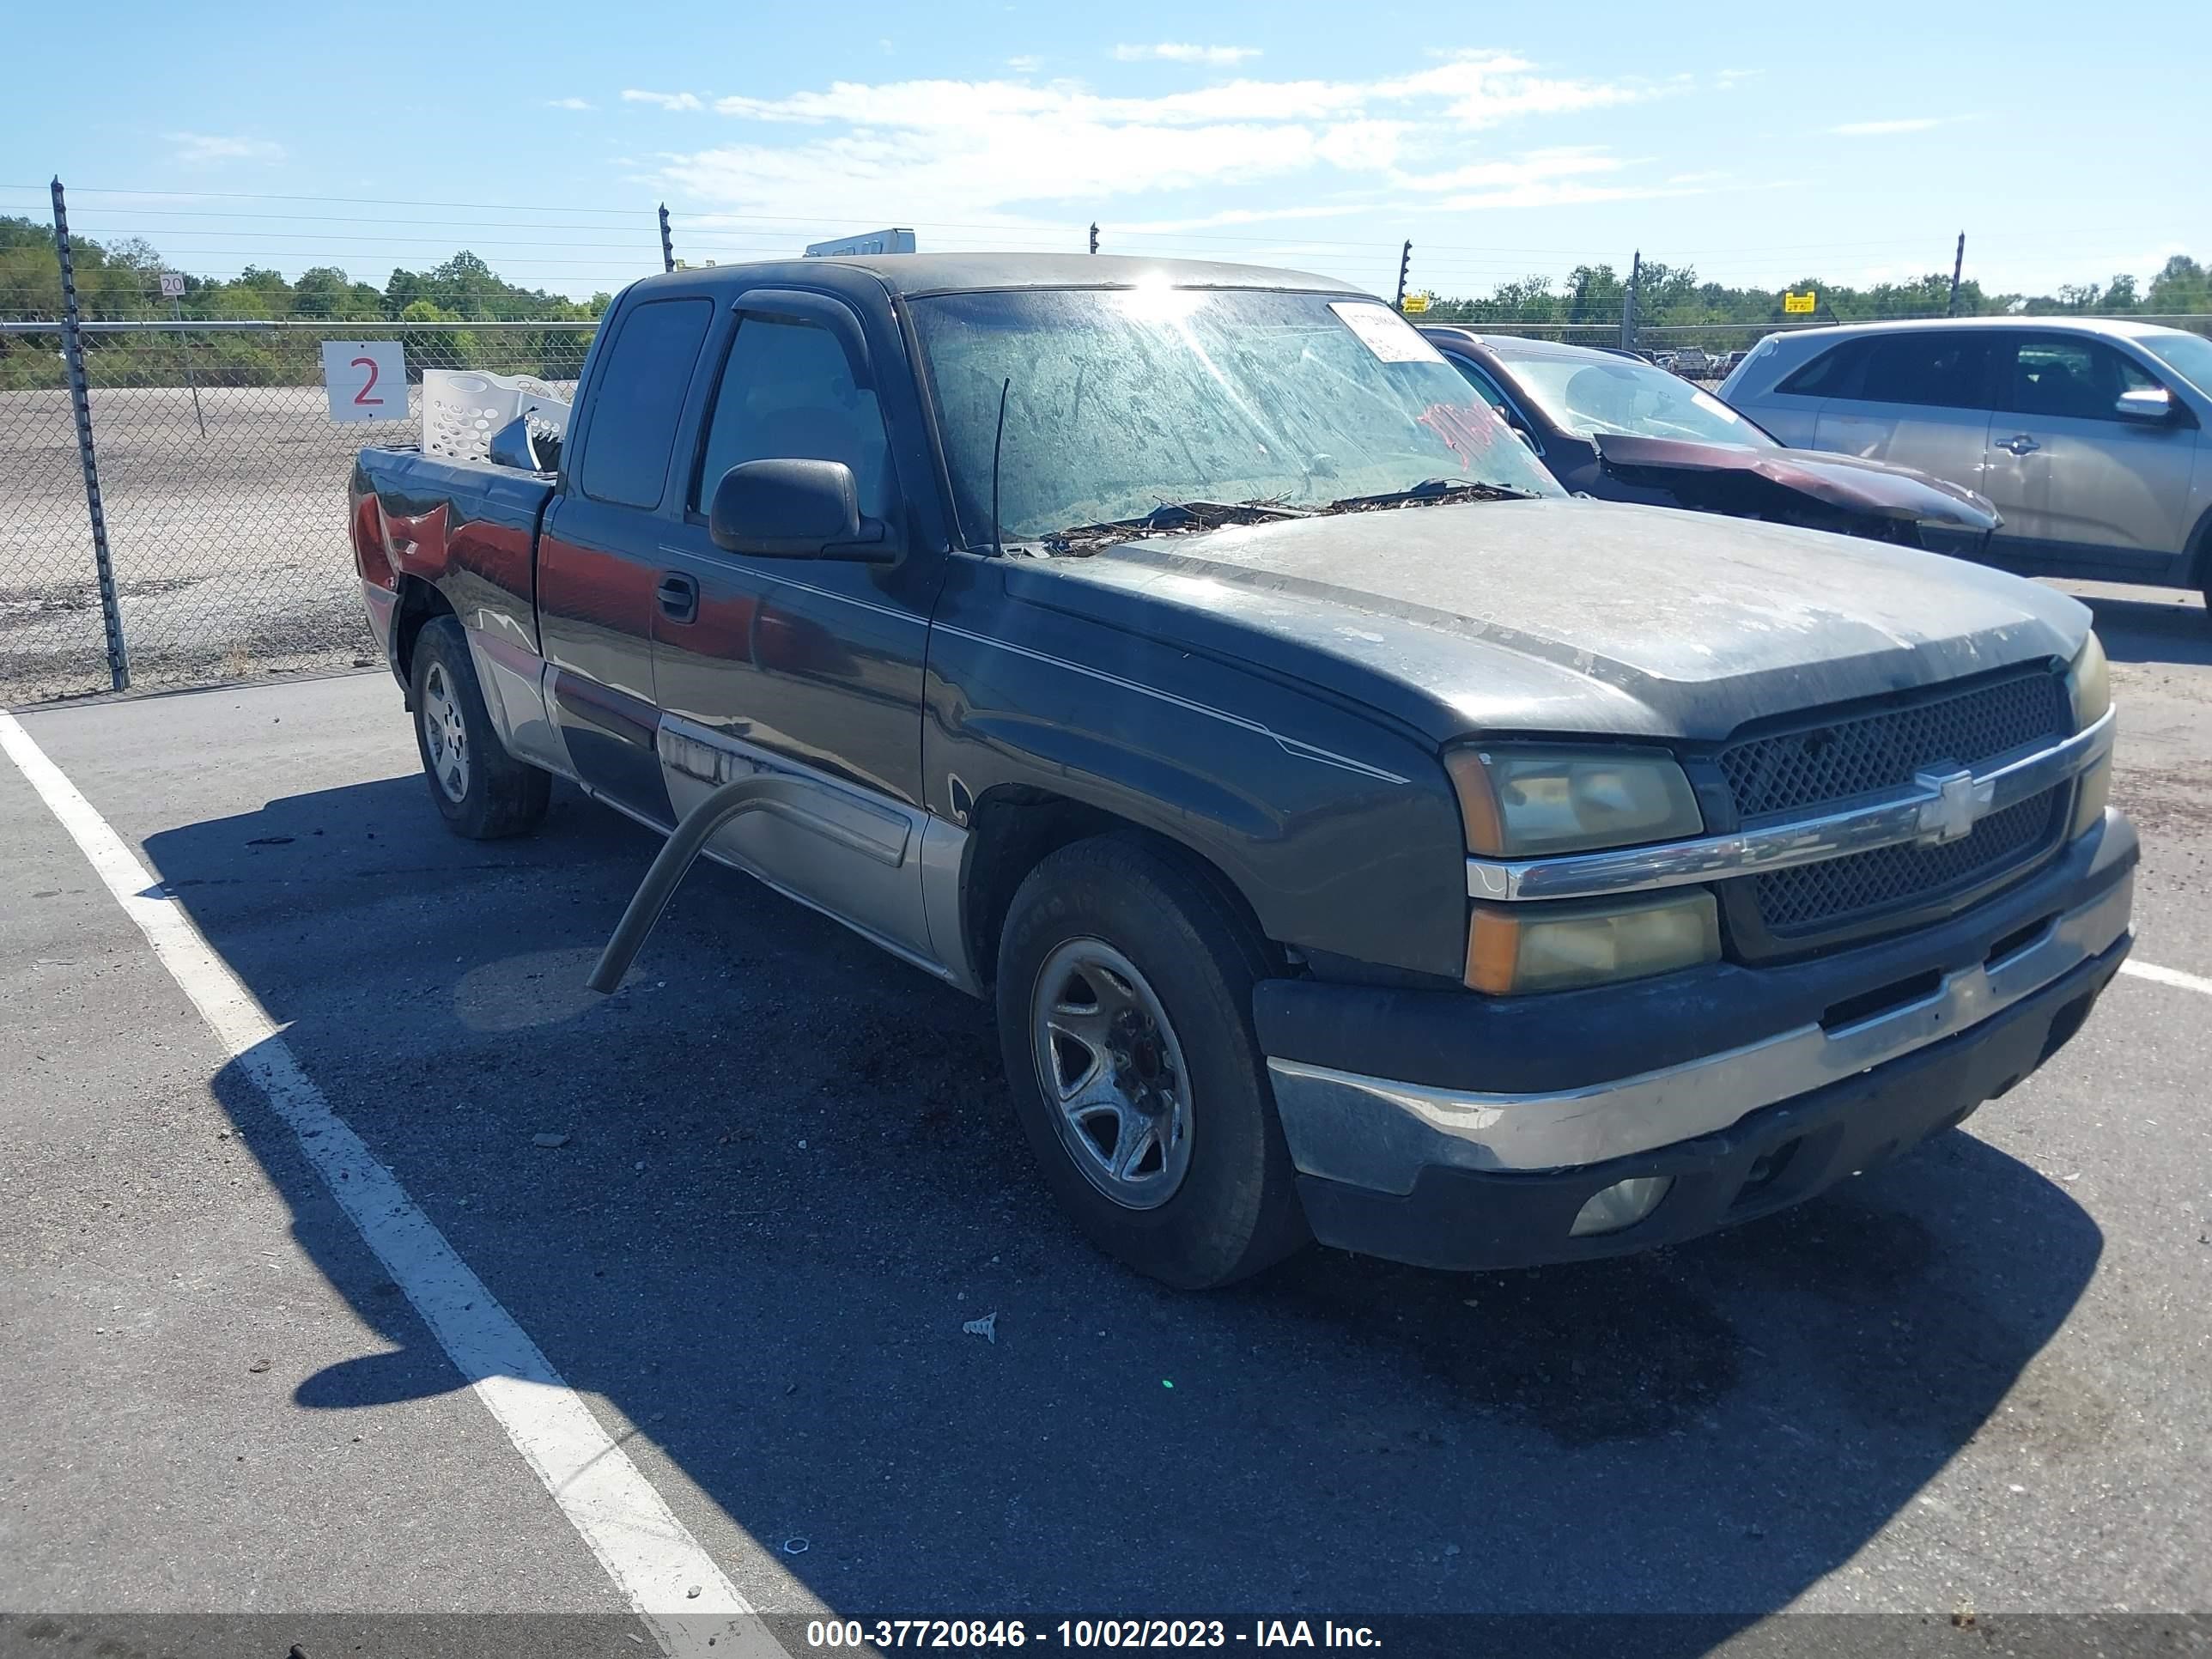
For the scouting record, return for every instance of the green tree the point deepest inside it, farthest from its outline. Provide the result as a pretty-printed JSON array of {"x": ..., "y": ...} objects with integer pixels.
[{"x": 2181, "y": 286}]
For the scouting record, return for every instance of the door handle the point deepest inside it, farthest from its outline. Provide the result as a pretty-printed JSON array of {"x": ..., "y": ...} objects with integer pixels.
[
  {"x": 2021, "y": 445},
  {"x": 679, "y": 597}
]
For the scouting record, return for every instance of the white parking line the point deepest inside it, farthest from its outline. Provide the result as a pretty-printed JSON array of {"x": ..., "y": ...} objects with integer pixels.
[
  {"x": 2173, "y": 976},
  {"x": 671, "y": 1582}
]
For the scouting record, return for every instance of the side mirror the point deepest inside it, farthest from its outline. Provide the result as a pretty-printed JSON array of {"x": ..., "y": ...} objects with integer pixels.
[
  {"x": 2152, "y": 404},
  {"x": 796, "y": 509}
]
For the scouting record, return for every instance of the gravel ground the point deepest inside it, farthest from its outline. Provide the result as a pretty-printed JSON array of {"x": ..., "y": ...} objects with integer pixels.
[
  {"x": 1968, "y": 1387},
  {"x": 229, "y": 550}
]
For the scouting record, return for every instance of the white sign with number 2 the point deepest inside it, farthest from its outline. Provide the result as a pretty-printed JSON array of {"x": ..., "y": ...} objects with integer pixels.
[{"x": 366, "y": 379}]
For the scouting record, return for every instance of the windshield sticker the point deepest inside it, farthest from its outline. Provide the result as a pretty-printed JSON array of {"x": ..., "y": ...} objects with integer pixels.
[{"x": 1384, "y": 332}]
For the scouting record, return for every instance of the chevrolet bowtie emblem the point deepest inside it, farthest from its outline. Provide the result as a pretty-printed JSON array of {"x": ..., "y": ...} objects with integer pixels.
[{"x": 1957, "y": 807}]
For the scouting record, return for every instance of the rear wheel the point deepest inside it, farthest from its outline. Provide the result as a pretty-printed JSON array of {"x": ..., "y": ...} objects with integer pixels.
[
  {"x": 1124, "y": 997},
  {"x": 481, "y": 791}
]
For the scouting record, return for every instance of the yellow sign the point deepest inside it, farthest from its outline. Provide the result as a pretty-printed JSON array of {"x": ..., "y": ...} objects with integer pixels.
[
  {"x": 1416, "y": 304},
  {"x": 1800, "y": 305}
]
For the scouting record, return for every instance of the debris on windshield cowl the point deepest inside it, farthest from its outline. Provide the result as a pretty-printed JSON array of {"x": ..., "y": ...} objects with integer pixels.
[
  {"x": 1194, "y": 518},
  {"x": 1170, "y": 518},
  {"x": 1432, "y": 492}
]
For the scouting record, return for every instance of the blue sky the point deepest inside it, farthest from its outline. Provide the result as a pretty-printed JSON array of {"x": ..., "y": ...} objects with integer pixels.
[{"x": 1757, "y": 143}]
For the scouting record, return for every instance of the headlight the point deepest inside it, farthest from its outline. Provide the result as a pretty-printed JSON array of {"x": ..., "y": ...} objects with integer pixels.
[
  {"x": 2089, "y": 682},
  {"x": 1528, "y": 803},
  {"x": 1513, "y": 948}
]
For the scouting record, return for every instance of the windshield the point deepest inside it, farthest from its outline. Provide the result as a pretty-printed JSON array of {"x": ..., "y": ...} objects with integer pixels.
[
  {"x": 1586, "y": 397},
  {"x": 2189, "y": 355},
  {"x": 1118, "y": 402}
]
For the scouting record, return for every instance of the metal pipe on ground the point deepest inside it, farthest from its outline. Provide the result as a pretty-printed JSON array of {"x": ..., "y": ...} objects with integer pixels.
[{"x": 676, "y": 857}]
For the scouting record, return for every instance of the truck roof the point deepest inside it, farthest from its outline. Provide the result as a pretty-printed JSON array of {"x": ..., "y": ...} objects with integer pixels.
[{"x": 910, "y": 275}]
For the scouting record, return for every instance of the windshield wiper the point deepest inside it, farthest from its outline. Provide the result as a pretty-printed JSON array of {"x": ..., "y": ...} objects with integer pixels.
[
  {"x": 1432, "y": 492},
  {"x": 1171, "y": 519}
]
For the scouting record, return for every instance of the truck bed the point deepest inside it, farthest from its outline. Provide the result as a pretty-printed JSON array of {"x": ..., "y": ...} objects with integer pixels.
[{"x": 462, "y": 526}]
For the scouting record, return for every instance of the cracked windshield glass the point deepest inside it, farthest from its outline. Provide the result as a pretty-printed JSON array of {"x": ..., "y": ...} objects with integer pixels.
[{"x": 1119, "y": 401}]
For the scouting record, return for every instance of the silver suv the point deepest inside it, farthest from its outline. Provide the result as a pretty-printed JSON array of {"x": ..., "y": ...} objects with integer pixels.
[{"x": 2090, "y": 436}]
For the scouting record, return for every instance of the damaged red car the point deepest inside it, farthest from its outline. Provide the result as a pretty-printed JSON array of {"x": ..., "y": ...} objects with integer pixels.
[{"x": 1614, "y": 427}]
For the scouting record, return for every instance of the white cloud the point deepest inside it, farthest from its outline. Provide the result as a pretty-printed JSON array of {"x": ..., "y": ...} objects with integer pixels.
[
  {"x": 1172, "y": 52},
  {"x": 667, "y": 101},
  {"x": 1028, "y": 63},
  {"x": 1001, "y": 147},
  {"x": 1890, "y": 128},
  {"x": 202, "y": 148},
  {"x": 569, "y": 103}
]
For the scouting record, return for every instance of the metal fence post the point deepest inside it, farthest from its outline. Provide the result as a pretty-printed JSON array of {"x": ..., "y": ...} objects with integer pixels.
[
  {"x": 668, "y": 242},
  {"x": 184, "y": 351},
  {"x": 1628, "y": 303},
  {"x": 118, "y": 655},
  {"x": 1405, "y": 266},
  {"x": 1958, "y": 270}
]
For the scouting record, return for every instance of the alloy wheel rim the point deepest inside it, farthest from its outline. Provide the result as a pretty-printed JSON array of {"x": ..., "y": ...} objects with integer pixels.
[
  {"x": 1112, "y": 1071},
  {"x": 445, "y": 734}
]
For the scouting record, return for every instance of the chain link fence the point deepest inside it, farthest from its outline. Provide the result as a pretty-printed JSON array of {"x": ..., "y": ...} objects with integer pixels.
[
  {"x": 51, "y": 640},
  {"x": 224, "y": 484}
]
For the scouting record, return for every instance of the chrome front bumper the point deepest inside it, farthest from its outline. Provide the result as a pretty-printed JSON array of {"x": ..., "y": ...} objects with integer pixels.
[{"x": 1377, "y": 1134}]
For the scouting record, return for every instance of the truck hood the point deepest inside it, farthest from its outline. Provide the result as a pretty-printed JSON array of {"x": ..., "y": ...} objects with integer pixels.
[
  {"x": 1730, "y": 479},
  {"x": 1566, "y": 616}
]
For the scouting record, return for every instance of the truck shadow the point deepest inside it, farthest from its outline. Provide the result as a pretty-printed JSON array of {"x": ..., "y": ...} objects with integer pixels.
[{"x": 791, "y": 1178}]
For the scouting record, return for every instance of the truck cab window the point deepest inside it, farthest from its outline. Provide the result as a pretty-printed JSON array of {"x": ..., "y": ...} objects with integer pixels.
[
  {"x": 787, "y": 394},
  {"x": 638, "y": 400}
]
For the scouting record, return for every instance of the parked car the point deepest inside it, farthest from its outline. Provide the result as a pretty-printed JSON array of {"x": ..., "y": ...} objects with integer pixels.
[
  {"x": 1358, "y": 837},
  {"x": 2090, "y": 436},
  {"x": 1693, "y": 361},
  {"x": 1625, "y": 432}
]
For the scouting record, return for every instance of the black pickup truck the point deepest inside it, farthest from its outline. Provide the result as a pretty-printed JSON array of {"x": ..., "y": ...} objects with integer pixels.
[{"x": 1361, "y": 839}]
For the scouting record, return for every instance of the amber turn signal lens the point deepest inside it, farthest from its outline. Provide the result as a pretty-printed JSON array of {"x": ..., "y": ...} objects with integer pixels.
[{"x": 1516, "y": 949}]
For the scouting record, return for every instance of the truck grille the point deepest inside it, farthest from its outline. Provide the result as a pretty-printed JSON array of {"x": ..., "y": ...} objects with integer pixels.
[
  {"x": 1826, "y": 765},
  {"x": 1813, "y": 895}
]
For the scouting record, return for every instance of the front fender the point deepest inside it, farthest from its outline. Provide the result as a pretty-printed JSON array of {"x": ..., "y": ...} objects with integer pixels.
[{"x": 1339, "y": 829}]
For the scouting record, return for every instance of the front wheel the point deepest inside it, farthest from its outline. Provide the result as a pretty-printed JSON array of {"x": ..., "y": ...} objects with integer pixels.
[
  {"x": 1125, "y": 982},
  {"x": 481, "y": 791}
]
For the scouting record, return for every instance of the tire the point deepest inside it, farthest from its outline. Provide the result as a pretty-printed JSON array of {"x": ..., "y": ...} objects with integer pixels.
[
  {"x": 1164, "y": 1036},
  {"x": 480, "y": 790}
]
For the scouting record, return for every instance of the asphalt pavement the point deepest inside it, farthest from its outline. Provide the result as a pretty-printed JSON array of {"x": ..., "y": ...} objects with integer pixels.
[{"x": 1969, "y": 1386}]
